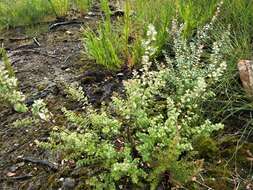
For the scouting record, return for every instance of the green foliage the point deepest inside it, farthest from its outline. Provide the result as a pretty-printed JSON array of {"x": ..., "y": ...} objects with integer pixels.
[
  {"x": 17, "y": 13},
  {"x": 105, "y": 45},
  {"x": 160, "y": 13},
  {"x": 60, "y": 7},
  {"x": 140, "y": 138},
  {"x": 26, "y": 12},
  {"x": 195, "y": 13},
  {"x": 9, "y": 92},
  {"x": 23, "y": 122},
  {"x": 74, "y": 92},
  {"x": 239, "y": 15},
  {"x": 83, "y": 5}
]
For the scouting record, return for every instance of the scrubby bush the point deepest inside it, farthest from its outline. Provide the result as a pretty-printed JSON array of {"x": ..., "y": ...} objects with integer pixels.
[{"x": 141, "y": 138}]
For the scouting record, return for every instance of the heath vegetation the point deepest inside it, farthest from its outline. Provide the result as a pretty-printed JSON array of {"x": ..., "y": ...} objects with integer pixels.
[{"x": 171, "y": 112}]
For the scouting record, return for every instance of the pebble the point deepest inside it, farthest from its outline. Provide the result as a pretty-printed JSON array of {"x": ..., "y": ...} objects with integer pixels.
[{"x": 68, "y": 184}]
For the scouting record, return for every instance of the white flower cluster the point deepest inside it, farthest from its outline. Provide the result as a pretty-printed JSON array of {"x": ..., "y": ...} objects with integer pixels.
[
  {"x": 40, "y": 110},
  {"x": 8, "y": 90},
  {"x": 75, "y": 92},
  {"x": 203, "y": 33}
]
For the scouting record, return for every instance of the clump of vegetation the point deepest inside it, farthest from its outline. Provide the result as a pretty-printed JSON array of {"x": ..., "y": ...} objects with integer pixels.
[
  {"x": 139, "y": 138},
  {"x": 9, "y": 92},
  {"x": 105, "y": 46},
  {"x": 18, "y": 13},
  {"x": 83, "y": 5},
  {"x": 154, "y": 133},
  {"x": 60, "y": 7},
  {"x": 160, "y": 13}
]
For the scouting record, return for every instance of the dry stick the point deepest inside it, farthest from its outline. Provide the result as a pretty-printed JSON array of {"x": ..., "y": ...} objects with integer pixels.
[
  {"x": 34, "y": 51},
  {"x": 58, "y": 24},
  {"x": 23, "y": 177},
  {"x": 204, "y": 185},
  {"x": 41, "y": 162},
  {"x": 36, "y": 41}
]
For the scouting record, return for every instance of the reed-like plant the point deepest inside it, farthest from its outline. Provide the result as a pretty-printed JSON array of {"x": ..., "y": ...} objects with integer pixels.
[
  {"x": 83, "y": 5},
  {"x": 105, "y": 45}
]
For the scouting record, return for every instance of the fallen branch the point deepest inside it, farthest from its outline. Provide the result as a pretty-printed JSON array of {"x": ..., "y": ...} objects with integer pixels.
[
  {"x": 21, "y": 52},
  {"x": 46, "y": 163},
  {"x": 58, "y": 24},
  {"x": 23, "y": 177}
]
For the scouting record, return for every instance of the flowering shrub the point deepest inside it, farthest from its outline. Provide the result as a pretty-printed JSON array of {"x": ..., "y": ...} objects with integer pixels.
[
  {"x": 10, "y": 95},
  {"x": 147, "y": 135}
]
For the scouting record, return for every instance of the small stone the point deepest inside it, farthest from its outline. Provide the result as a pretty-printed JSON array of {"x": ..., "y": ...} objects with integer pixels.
[
  {"x": 13, "y": 168},
  {"x": 11, "y": 174},
  {"x": 68, "y": 184},
  {"x": 245, "y": 68},
  {"x": 21, "y": 164},
  {"x": 69, "y": 33},
  {"x": 61, "y": 179}
]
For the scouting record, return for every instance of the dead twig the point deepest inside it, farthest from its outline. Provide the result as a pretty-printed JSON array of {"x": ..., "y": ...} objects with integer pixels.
[
  {"x": 36, "y": 42},
  {"x": 46, "y": 163},
  {"x": 58, "y": 24},
  {"x": 23, "y": 177},
  {"x": 21, "y": 52}
]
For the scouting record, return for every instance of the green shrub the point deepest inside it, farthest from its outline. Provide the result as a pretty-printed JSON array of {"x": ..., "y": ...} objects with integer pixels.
[{"x": 138, "y": 139}]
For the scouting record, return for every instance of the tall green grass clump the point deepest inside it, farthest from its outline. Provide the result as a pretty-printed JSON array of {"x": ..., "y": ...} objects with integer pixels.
[
  {"x": 105, "y": 45},
  {"x": 239, "y": 14},
  {"x": 160, "y": 13},
  {"x": 83, "y": 5},
  {"x": 195, "y": 13},
  {"x": 137, "y": 140},
  {"x": 60, "y": 7},
  {"x": 26, "y": 12},
  {"x": 18, "y": 13}
]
